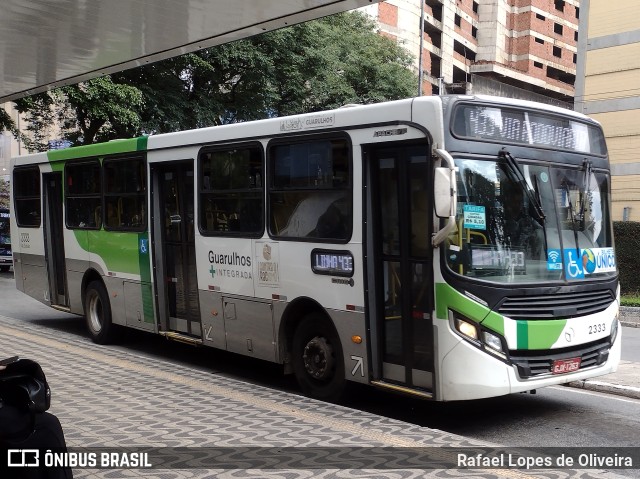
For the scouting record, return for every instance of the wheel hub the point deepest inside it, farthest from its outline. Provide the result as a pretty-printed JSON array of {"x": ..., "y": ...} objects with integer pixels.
[{"x": 318, "y": 358}]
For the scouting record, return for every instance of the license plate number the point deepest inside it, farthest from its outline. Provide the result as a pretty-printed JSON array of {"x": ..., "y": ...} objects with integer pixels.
[{"x": 561, "y": 366}]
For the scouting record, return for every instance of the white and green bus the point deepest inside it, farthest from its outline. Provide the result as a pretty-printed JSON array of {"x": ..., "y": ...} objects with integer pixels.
[{"x": 451, "y": 248}]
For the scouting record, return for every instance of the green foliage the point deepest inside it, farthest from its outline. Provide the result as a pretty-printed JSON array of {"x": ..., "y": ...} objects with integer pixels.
[
  {"x": 627, "y": 236},
  {"x": 100, "y": 110},
  {"x": 39, "y": 115},
  {"x": 630, "y": 300}
]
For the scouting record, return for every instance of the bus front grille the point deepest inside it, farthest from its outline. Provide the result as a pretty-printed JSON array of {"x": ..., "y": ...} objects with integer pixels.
[
  {"x": 537, "y": 363},
  {"x": 557, "y": 305}
]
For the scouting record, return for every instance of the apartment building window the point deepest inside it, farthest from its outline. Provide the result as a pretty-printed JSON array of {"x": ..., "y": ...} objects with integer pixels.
[
  {"x": 457, "y": 20},
  {"x": 539, "y": 40},
  {"x": 577, "y": 12},
  {"x": 575, "y": 58},
  {"x": 559, "y": 4},
  {"x": 537, "y": 64},
  {"x": 557, "y": 28},
  {"x": 475, "y": 8},
  {"x": 474, "y": 32},
  {"x": 575, "y": 35},
  {"x": 539, "y": 16},
  {"x": 557, "y": 52}
]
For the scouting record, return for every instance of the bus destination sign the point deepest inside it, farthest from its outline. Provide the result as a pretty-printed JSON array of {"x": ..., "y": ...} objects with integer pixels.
[
  {"x": 332, "y": 262},
  {"x": 510, "y": 125}
]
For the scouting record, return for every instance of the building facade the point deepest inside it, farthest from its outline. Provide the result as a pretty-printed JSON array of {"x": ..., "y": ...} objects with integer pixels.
[
  {"x": 608, "y": 89},
  {"x": 468, "y": 45}
]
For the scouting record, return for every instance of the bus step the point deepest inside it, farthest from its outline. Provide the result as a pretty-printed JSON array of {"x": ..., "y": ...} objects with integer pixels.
[
  {"x": 181, "y": 338},
  {"x": 59, "y": 307},
  {"x": 403, "y": 389}
]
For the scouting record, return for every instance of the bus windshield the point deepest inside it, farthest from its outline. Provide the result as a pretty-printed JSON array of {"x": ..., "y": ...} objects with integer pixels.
[{"x": 519, "y": 222}]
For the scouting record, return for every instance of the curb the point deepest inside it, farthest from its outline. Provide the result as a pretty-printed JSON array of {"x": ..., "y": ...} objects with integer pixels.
[
  {"x": 608, "y": 388},
  {"x": 630, "y": 316}
]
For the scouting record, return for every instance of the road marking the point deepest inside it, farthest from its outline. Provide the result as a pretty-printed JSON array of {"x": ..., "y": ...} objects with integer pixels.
[{"x": 594, "y": 393}]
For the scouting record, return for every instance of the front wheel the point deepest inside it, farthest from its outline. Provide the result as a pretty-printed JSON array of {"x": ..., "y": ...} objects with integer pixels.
[
  {"x": 97, "y": 311},
  {"x": 318, "y": 362}
]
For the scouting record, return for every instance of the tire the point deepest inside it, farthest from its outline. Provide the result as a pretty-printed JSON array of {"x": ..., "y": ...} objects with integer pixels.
[
  {"x": 97, "y": 312},
  {"x": 318, "y": 362}
]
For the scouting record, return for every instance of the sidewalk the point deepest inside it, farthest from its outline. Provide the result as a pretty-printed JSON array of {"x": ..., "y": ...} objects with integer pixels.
[
  {"x": 626, "y": 380},
  {"x": 108, "y": 397}
]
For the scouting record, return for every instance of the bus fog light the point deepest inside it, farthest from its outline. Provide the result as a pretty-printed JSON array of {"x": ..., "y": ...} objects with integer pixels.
[
  {"x": 466, "y": 328},
  {"x": 492, "y": 341}
]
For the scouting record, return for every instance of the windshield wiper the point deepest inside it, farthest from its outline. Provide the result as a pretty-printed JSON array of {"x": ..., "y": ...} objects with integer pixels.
[
  {"x": 573, "y": 218},
  {"x": 585, "y": 191},
  {"x": 534, "y": 199}
]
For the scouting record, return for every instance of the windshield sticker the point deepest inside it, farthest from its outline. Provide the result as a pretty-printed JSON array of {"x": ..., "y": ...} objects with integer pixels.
[
  {"x": 598, "y": 260},
  {"x": 590, "y": 261},
  {"x": 573, "y": 264},
  {"x": 544, "y": 177},
  {"x": 554, "y": 260},
  {"x": 475, "y": 217}
]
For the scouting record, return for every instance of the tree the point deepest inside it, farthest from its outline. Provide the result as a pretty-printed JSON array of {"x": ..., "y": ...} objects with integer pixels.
[
  {"x": 308, "y": 67},
  {"x": 100, "y": 110}
]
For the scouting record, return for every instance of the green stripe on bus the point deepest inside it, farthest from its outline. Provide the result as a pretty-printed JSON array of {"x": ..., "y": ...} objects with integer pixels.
[
  {"x": 119, "y": 251},
  {"x": 99, "y": 149},
  {"x": 522, "y": 331},
  {"x": 448, "y": 298},
  {"x": 539, "y": 334}
]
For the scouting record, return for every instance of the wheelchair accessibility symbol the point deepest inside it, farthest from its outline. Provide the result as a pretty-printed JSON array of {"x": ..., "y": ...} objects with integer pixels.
[
  {"x": 144, "y": 246},
  {"x": 573, "y": 264}
]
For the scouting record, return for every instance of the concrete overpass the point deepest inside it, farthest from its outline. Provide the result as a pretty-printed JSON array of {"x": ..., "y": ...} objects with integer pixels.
[{"x": 50, "y": 43}]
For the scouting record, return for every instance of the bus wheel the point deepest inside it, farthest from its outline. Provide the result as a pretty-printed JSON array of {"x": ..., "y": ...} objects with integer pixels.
[
  {"x": 317, "y": 358},
  {"x": 97, "y": 310}
]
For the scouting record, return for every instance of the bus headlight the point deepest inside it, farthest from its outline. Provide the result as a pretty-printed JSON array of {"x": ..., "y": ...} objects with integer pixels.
[
  {"x": 480, "y": 337},
  {"x": 466, "y": 328},
  {"x": 492, "y": 341}
]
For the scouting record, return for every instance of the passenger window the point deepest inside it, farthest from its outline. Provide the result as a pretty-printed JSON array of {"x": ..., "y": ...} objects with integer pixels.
[
  {"x": 310, "y": 190},
  {"x": 231, "y": 191},
  {"x": 125, "y": 197},
  {"x": 26, "y": 194},
  {"x": 83, "y": 195}
]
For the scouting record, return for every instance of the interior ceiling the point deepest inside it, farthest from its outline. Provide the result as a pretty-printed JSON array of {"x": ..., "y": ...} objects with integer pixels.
[{"x": 48, "y": 43}]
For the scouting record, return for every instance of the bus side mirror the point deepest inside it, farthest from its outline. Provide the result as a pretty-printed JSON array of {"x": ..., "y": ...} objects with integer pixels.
[
  {"x": 445, "y": 195},
  {"x": 444, "y": 201}
]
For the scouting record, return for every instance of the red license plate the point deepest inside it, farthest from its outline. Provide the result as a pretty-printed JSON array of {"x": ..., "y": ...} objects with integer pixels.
[{"x": 561, "y": 366}]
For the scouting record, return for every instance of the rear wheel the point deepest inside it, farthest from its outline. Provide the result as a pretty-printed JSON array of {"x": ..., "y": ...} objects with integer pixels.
[
  {"x": 97, "y": 310},
  {"x": 318, "y": 362}
]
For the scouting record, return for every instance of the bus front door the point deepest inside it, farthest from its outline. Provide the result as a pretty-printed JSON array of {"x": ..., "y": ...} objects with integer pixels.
[
  {"x": 54, "y": 239},
  {"x": 174, "y": 245},
  {"x": 400, "y": 258}
]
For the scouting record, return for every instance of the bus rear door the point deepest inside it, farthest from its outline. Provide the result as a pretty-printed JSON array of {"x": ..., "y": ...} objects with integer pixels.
[
  {"x": 54, "y": 239},
  {"x": 174, "y": 248}
]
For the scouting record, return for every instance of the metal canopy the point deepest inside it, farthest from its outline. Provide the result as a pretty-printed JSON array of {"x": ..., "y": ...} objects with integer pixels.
[{"x": 48, "y": 43}]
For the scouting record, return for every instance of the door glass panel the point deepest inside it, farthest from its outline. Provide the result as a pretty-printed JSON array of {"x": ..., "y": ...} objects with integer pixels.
[
  {"x": 422, "y": 333},
  {"x": 389, "y": 205},
  {"x": 173, "y": 220},
  {"x": 392, "y": 312}
]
